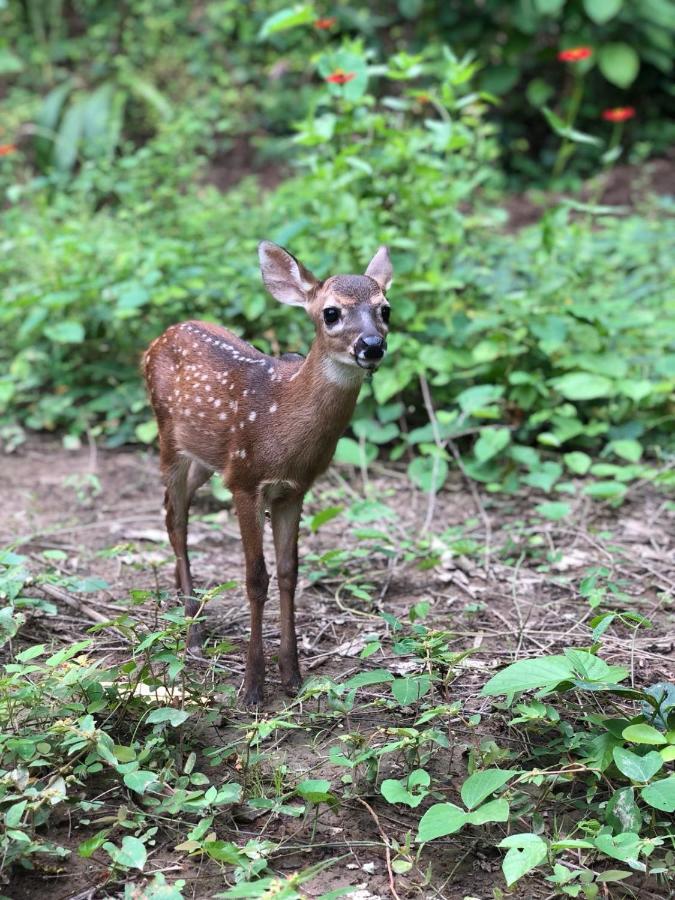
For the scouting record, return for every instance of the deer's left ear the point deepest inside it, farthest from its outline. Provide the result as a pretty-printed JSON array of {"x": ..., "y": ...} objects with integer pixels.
[
  {"x": 379, "y": 268},
  {"x": 285, "y": 277}
]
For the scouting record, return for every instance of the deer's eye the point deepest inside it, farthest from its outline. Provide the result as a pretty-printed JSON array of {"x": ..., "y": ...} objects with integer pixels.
[
  {"x": 331, "y": 315},
  {"x": 386, "y": 312}
]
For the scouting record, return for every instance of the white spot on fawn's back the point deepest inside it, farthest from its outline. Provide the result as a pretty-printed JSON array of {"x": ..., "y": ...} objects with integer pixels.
[
  {"x": 273, "y": 408},
  {"x": 251, "y": 416}
]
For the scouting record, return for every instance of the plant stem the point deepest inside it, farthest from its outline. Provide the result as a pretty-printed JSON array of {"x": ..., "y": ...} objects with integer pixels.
[{"x": 567, "y": 146}]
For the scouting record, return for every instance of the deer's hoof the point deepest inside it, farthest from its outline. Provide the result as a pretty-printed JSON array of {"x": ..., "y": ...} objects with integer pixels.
[
  {"x": 254, "y": 696},
  {"x": 292, "y": 683}
]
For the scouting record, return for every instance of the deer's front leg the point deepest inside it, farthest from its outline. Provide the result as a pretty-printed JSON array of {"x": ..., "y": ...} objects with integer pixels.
[
  {"x": 285, "y": 523},
  {"x": 251, "y": 520}
]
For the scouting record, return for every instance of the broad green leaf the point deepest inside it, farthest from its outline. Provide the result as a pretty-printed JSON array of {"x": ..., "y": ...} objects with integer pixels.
[
  {"x": 69, "y": 332},
  {"x": 530, "y": 674},
  {"x": 578, "y": 462},
  {"x": 132, "y": 854},
  {"x": 605, "y": 490},
  {"x": 481, "y": 784},
  {"x": 324, "y": 516},
  {"x": 409, "y": 690},
  {"x": 428, "y": 473},
  {"x": 146, "y": 432},
  {"x": 140, "y": 781},
  {"x": 290, "y": 17},
  {"x": 440, "y": 820},
  {"x": 625, "y": 846},
  {"x": 476, "y": 398},
  {"x": 174, "y": 717},
  {"x": 582, "y": 386},
  {"x": 491, "y": 442},
  {"x": 622, "y": 812},
  {"x": 351, "y": 452},
  {"x": 67, "y": 653},
  {"x": 643, "y": 734},
  {"x": 660, "y": 794},
  {"x": 14, "y": 814},
  {"x": 553, "y": 510},
  {"x": 365, "y": 679},
  {"x": 395, "y": 791},
  {"x": 494, "y": 811},
  {"x": 525, "y": 853},
  {"x": 637, "y": 768},
  {"x": 630, "y": 450},
  {"x": 602, "y": 11},
  {"x": 91, "y": 845},
  {"x": 619, "y": 63},
  {"x": 315, "y": 790}
]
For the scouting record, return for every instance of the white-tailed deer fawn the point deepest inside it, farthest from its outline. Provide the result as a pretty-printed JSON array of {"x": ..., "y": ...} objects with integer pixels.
[{"x": 269, "y": 425}]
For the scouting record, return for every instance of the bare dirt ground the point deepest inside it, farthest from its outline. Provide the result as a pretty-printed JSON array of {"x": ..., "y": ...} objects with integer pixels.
[{"x": 517, "y": 594}]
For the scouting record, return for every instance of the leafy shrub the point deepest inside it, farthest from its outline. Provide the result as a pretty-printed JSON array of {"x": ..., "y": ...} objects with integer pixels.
[{"x": 556, "y": 336}]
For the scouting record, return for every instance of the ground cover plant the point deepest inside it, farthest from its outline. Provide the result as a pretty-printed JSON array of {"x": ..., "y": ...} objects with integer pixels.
[
  {"x": 487, "y": 581},
  {"x": 416, "y": 760}
]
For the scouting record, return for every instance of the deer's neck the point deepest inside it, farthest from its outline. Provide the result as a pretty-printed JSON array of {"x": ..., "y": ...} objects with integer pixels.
[{"x": 321, "y": 396}]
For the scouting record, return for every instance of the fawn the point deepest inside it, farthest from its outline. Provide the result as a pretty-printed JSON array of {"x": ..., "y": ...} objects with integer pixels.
[{"x": 269, "y": 425}]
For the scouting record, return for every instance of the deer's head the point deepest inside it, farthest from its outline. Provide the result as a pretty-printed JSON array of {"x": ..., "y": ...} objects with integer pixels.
[{"x": 350, "y": 312}]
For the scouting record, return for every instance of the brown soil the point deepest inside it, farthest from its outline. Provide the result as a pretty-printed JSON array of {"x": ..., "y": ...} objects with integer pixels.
[
  {"x": 625, "y": 187},
  {"x": 500, "y": 604}
]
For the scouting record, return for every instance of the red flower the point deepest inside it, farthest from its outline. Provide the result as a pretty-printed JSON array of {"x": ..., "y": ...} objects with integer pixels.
[
  {"x": 575, "y": 54},
  {"x": 324, "y": 24},
  {"x": 6, "y": 149},
  {"x": 339, "y": 76},
  {"x": 618, "y": 113}
]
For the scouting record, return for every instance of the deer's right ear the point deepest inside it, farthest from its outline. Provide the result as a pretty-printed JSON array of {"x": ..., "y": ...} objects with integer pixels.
[{"x": 287, "y": 280}]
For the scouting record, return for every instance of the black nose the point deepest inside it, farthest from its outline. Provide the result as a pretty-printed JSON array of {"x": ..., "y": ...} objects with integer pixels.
[{"x": 371, "y": 346}]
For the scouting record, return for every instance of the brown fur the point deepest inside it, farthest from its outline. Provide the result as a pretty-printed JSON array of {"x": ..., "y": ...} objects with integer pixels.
[{"x": 269, "y": 425}]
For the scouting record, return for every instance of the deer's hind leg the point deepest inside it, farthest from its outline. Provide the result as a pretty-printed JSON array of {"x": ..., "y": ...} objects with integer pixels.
[{"x": 182, "y": 478}]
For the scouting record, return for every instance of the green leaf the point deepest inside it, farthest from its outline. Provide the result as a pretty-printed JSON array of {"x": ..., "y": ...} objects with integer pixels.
[
  {"x": 350, "y": 452},
  {"x": 567, "y": 131},
  {"x": 481, "y": 784},
  {"x": 525, "y": 852},
  {"x": 365, "y": 679},
  {"x": 602, "y": 11},
  {"x": 395, "y": 791},
  {"x": 68, "y": 332},
  {"x": 67, "y": 653},
  {"x": 530, "y": 674},
  {"x": 643, "y": 734},
  {"x": 14, "y": 814},
  {"x": 582, "y": 386},
  {"x": 473, "y": 399},
  {"x": 315, "y": 790},
  {"x": 291, "y": 17},
  {"x": 624, "y": 846},
  {"x": 637, "y": 768},
  {"x": 660, "y": 794},
  {"x": 494, "y": 811},
  {"x": 578, "y": 462},
  {"x": 554, "y": 510},
  {"x": 428, "y": 473},
  {"x": 619, "y": 63},
  {"x": 491, "y": 442},
  {"x": 331, "y": 512},
  {"x": 132, "y": 854},
  {"x": 409, "y": 690},
  {"x": 91, "y": 845},
  {"x": 630, "y": 450},
  {"x": 146, "y": 432},
  {"x": 605, "y": 490},
  {"x": 140, "y": 781},
  {"x": 174, "y": 717},
  {"x": 440, "y": 820},
  {"x": 622, "y": 812}
]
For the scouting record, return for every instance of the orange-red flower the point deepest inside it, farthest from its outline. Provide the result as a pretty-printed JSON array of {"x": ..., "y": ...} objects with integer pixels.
[
  {"x": 618, "y": 113},
  {"x": 324, "y": 24},
  {"x": 339, "y": 76},
  {"x": 6, "y": 149},
  {"x": 575, "y": 54}
]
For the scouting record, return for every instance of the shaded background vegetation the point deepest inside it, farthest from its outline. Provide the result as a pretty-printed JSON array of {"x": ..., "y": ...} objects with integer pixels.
[{"x": 148, "y": 146}]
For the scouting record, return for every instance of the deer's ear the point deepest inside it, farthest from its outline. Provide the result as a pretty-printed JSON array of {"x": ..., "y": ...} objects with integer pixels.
[
  {"x": 287, "y": 280},
  {"x": 379, "y": 268}
]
